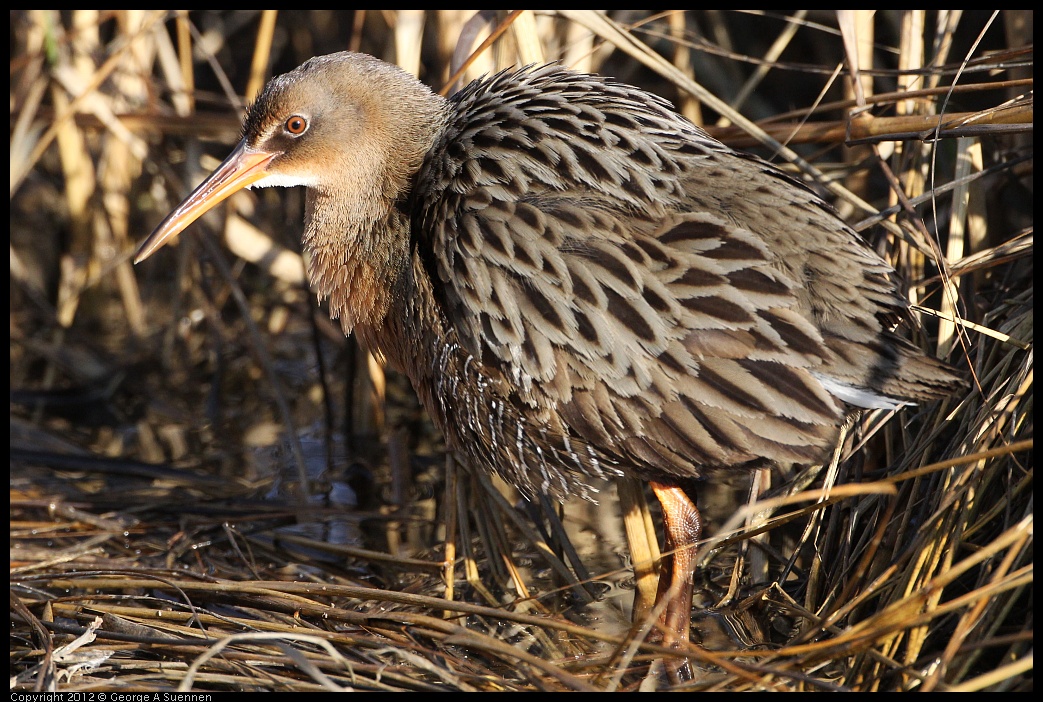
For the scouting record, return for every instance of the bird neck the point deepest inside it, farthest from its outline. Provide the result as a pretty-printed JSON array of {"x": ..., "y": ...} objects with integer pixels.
[
  {"x": 358, "y": 256},
  {"x": 379, "y": 288},
  {"x": 356, "y": 231}
]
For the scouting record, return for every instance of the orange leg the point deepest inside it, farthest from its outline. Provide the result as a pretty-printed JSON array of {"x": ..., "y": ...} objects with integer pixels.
[{"x": 683, "y": 527}]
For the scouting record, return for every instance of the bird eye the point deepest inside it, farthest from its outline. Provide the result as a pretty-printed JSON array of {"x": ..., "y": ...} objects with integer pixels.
[{"x": 296, "y": 125}]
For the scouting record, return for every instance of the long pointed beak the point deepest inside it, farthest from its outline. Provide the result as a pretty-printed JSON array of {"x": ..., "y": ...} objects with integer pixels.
[{"x": 242, "y": 167}]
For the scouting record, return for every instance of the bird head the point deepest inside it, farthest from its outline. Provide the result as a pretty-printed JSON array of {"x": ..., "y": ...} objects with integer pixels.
[{"x": 347, "y": 125}]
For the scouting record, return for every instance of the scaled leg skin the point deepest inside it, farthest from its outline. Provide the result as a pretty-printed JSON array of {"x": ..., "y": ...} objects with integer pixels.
[{"x": 683, "y": 525}]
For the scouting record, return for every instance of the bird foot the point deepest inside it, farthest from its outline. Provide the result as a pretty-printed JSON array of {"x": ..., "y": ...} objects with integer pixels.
[{"x": 672, "y": 669}]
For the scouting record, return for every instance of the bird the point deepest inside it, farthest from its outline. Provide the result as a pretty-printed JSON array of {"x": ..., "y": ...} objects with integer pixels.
[{"x": 580, "y": 283}]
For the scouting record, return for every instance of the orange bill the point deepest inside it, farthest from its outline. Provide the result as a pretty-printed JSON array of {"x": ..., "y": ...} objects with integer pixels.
[{"x": 242, "y": 167}]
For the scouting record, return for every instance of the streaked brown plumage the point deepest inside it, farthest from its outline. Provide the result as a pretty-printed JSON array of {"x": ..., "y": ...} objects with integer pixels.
[{"x": 579, "y": 282}]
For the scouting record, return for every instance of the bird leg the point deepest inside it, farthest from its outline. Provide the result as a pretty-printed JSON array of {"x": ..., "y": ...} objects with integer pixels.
[{"x": 683, "y": 525}]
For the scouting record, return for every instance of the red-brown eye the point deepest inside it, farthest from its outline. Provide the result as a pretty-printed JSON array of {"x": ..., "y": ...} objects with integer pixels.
[{"x": 297, "y": 125}]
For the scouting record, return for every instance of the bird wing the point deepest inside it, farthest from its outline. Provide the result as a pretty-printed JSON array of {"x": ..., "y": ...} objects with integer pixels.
[
  {"x": 585, "y": 256},
  {"x": 667, "y": 343}
]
